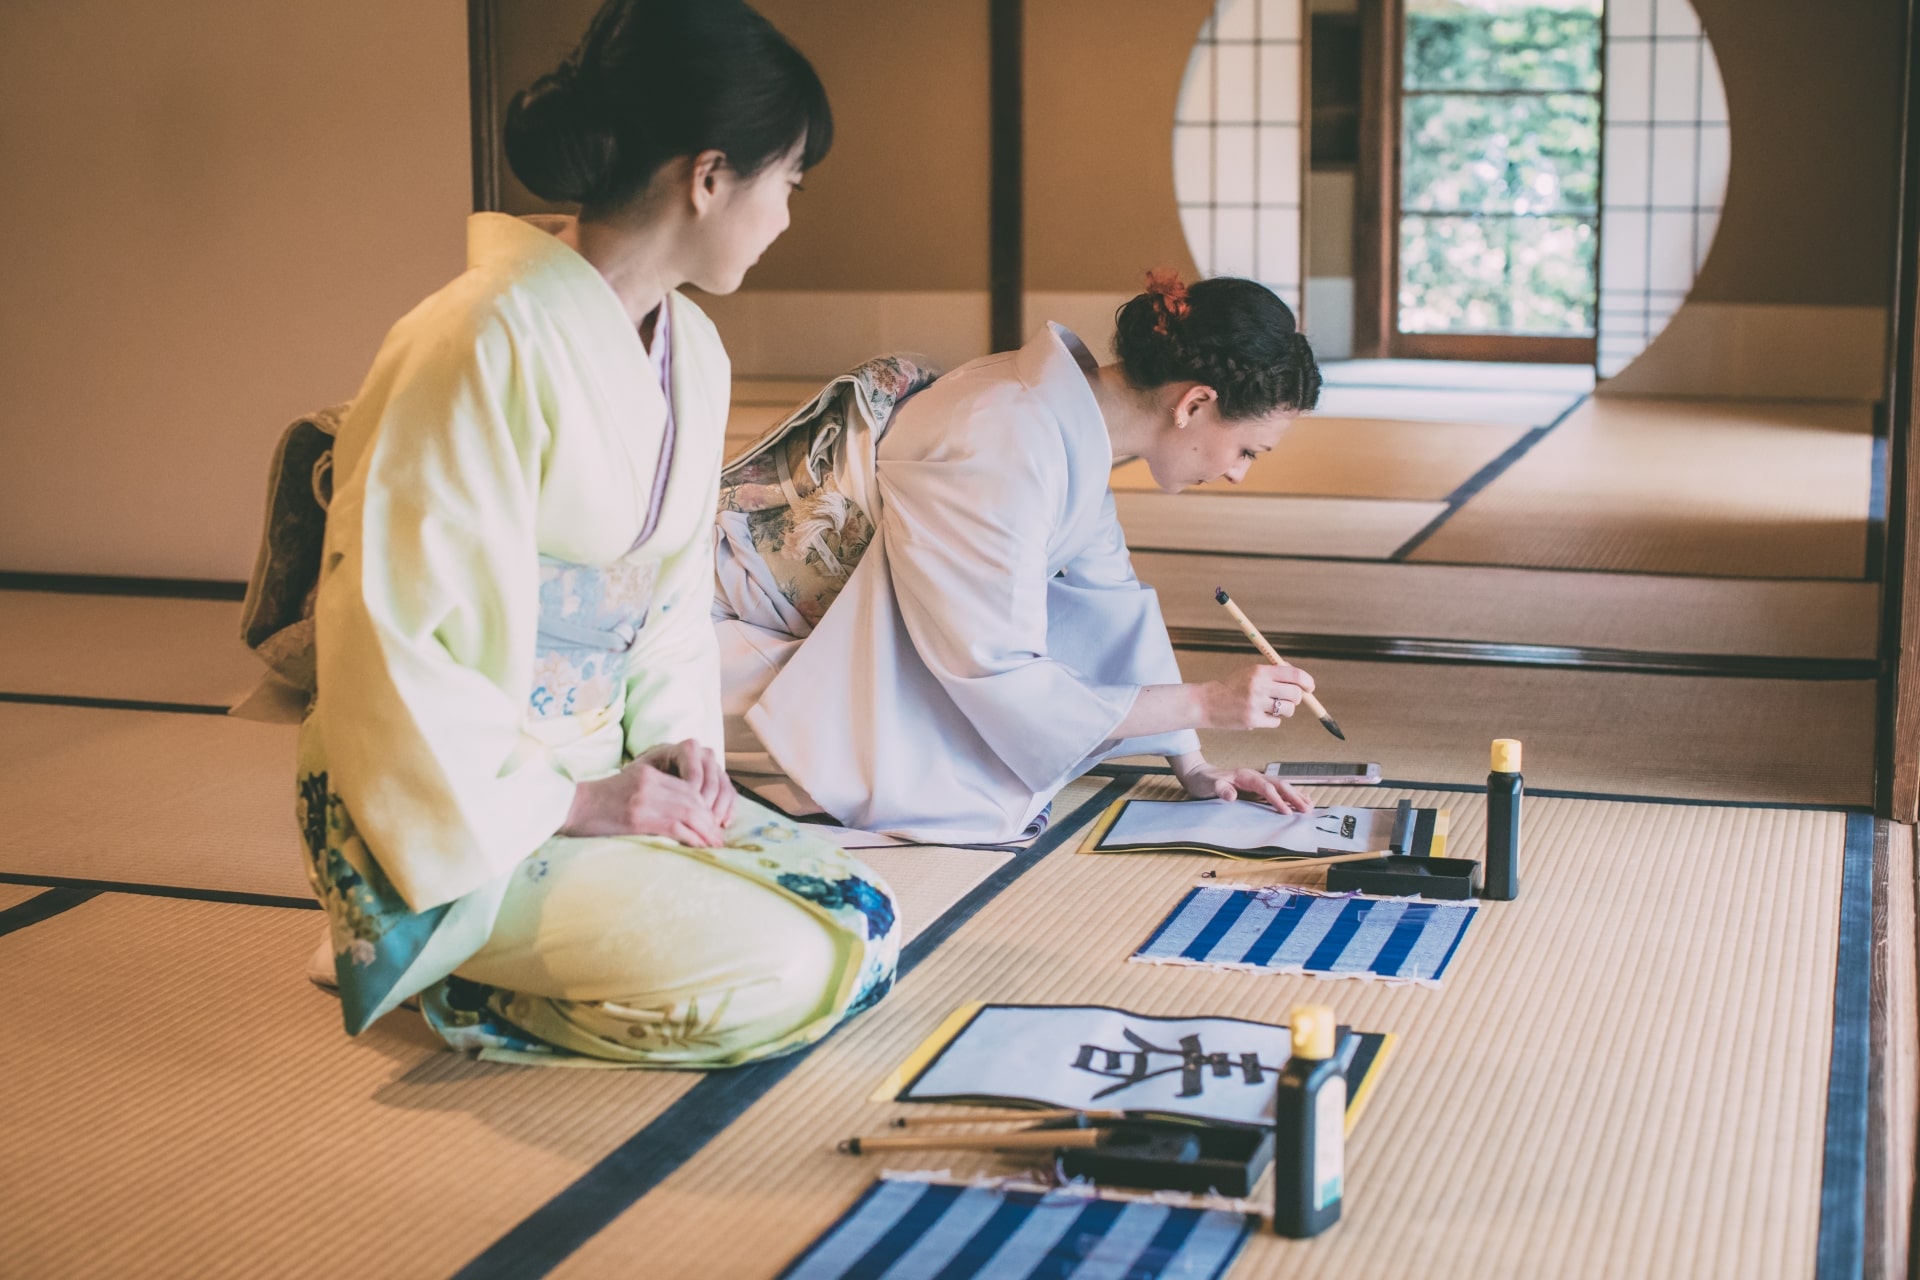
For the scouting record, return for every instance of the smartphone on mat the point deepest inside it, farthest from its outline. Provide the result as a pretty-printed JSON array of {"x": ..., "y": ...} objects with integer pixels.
[{"x": 1365, "y": 775}]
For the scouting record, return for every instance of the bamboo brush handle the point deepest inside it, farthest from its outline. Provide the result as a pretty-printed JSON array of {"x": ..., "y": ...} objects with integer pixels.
[
  {"x": 1017, "y": 1140},
  {"x": 1266, "y": 651}
]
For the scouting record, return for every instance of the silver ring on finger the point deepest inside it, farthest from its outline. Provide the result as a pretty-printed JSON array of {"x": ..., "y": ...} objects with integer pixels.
[{"x": 1279, "y": 710}]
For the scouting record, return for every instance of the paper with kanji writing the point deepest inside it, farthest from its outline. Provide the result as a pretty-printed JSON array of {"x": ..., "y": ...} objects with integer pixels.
[{"x": 1093, "y": 1058}]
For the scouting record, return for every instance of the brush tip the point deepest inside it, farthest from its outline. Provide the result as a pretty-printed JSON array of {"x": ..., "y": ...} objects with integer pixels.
[
  {"x": 1220, "y": 594},
  {"x": 1333, "y": 727},
  {"x": 849, "y": 1146}
]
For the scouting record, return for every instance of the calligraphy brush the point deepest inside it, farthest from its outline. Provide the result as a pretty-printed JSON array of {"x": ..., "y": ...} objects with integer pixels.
[
  {"x": 1277, "y": 866},
  {"x": 1006, "y": 1115},
  {"x": 1013, "y": 1140},
  {"x": 1266, "y": 651}
]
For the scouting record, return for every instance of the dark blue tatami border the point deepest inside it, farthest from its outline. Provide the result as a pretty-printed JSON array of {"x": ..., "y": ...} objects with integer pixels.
[
  {"x": 43, "y": 906},
  {"x": 1485, "y": 476},
  {"x": 1843, "y": 1177},
  {"x": 92, "y": 887},
  {"x": 113, "y": 704}
]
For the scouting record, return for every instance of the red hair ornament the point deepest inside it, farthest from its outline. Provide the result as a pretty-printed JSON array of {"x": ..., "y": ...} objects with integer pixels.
[{"x": 1169, "y": 299}]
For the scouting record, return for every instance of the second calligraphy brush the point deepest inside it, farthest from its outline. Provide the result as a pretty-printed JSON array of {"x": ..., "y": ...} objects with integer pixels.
[
  {"x": 1266, "y": 651},
  {"x": 1005, "y": 1140},
  {"x": 1288, "y": 866}
]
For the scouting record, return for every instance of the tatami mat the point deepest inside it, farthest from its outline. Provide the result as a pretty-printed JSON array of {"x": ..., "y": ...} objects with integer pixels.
[
  {"x": 1699, "y": 737},
  {"x": 1369, "y": 527},
  {"x": 186, "y": 1104},
  {"x": 1333, "y": 457},
  {"x": 12, "y": 895},
  {"x": 1622, "y": 1076},
  {"x": 1506, "y": 377},
  {"x": 227, "y": 1081},
  {"x": 1761, "y": 489},
  {"x": 154, "y": 650},
  {"x": 1646, "y": 612},
  {"x": 1446, "y": 404},
  {"x": 200, "y": 802},
  {"x": 926, "y": 882},
  {"x": 207, "y": 803}
]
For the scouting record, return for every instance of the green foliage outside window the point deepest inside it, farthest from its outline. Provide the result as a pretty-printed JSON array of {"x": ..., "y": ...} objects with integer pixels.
[{"x": 1500, "y": 166}]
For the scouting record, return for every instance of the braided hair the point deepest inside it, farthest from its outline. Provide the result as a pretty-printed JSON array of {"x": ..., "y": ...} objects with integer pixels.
[{"x": 1230, "y": 334}]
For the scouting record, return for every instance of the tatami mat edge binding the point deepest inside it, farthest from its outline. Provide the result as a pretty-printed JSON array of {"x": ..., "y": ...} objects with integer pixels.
[
  {"x": 43, "y": 906},
  {"x": 542, "y": 1241},
  {"x": 114, "y": 704},
  {"x": 110, "y": 585},
  {"x": 1484, "y": 477},
  {"x": 1843, "y": 1178},
  {"x": 1554, "y": 793},
  {"x": 1599, "y": 570},
  {"x": 138, "y": 889},
  {"x": 1490, "y": 653}
]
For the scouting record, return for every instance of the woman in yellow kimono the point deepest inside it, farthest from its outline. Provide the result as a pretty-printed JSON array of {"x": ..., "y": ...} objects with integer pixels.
[{"x": 509, "y": 788}]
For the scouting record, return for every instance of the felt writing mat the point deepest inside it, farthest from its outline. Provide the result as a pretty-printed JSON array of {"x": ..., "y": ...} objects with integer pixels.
[
  {"x": 902, "y": 1228},
  {"x": 1299, "y": 931}
]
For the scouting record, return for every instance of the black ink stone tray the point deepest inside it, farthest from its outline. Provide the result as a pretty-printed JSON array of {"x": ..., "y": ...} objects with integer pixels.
[
  {"x": 1403, "y": 877},
  {"x": 1175, "y": 1157}
]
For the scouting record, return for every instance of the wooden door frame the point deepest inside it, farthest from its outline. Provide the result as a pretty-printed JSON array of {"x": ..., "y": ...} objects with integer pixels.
[
  {"x": 1897, "y": 746},
  {"x": 1376, "y": 229},
  {"x": 483, "y": 102}
]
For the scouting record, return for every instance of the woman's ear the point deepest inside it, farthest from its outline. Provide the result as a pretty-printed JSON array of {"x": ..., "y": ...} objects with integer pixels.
[
  {"x": 705, "y": 179},
  {"x": 1191, "y": 399}
]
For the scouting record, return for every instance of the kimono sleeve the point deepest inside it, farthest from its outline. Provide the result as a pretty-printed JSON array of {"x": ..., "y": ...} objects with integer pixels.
[
  {"x": 426, "y": 617},
  {"x": 1107, "y": 623},
  {"x": 967, "y": 538}
]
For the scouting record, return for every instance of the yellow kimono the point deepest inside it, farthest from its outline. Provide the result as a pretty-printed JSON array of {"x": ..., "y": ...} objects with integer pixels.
[{"x": 491, "y": 627}]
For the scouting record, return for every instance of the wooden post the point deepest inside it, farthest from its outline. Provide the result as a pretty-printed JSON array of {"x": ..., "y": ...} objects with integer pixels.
[
  {"x": 483, "y": 104},
  {"x": 1006, "y": 283},
  {"x": 1897, "y": 780},
  {"x": 1375, "y": 176}
]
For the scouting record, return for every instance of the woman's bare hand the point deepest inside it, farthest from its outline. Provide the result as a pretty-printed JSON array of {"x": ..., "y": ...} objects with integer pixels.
[
  {"x": 1256, "y": 697},
  {"x": 644, "y": 800},
  {"x": 703, "y": 768},
  {"x": 1205, "y": 781}
]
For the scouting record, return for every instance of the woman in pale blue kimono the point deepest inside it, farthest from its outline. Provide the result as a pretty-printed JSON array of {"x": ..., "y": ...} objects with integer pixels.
[
  {"x": 929, "y": 619},
  {"x": 510, "y": 790}
]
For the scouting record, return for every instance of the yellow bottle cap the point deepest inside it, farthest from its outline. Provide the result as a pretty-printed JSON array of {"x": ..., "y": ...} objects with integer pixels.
[
  {"x": 1506, "y": 755},
  {"x": 1313, "y": 1031}
]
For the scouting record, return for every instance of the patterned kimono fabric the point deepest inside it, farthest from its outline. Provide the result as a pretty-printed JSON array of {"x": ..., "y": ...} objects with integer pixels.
[
  {"x": 610, "y": 951},
  {"x": 797, "y": 511}
]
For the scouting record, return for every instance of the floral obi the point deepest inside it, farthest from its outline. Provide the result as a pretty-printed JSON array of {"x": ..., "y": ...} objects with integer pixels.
[{"x": 591, "y": 617}]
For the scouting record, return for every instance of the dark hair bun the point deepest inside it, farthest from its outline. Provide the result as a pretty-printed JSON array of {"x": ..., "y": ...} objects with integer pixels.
[
  {"x": 557, "y": 144},
  {"x": 657, "y": 79},
  {"x": 1227, "y": 333}
]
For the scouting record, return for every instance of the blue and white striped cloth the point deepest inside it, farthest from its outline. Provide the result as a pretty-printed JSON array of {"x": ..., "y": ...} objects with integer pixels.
[
  {"x": 906, "y": 1230},
  {"x": 1290, "y": 931}
]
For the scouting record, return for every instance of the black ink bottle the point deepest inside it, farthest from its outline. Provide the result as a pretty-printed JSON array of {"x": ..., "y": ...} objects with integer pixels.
[
  {"x": 1309, "y": 1129},
  {"x": 1504, "y": 786}
]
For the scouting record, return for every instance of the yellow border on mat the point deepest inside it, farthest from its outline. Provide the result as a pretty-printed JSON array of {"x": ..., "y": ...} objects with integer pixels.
[
  {"x": 1101, "y": 825},
  {"x": 1364, "y": 1093},
  {"x": 929, "y": 1049}
]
